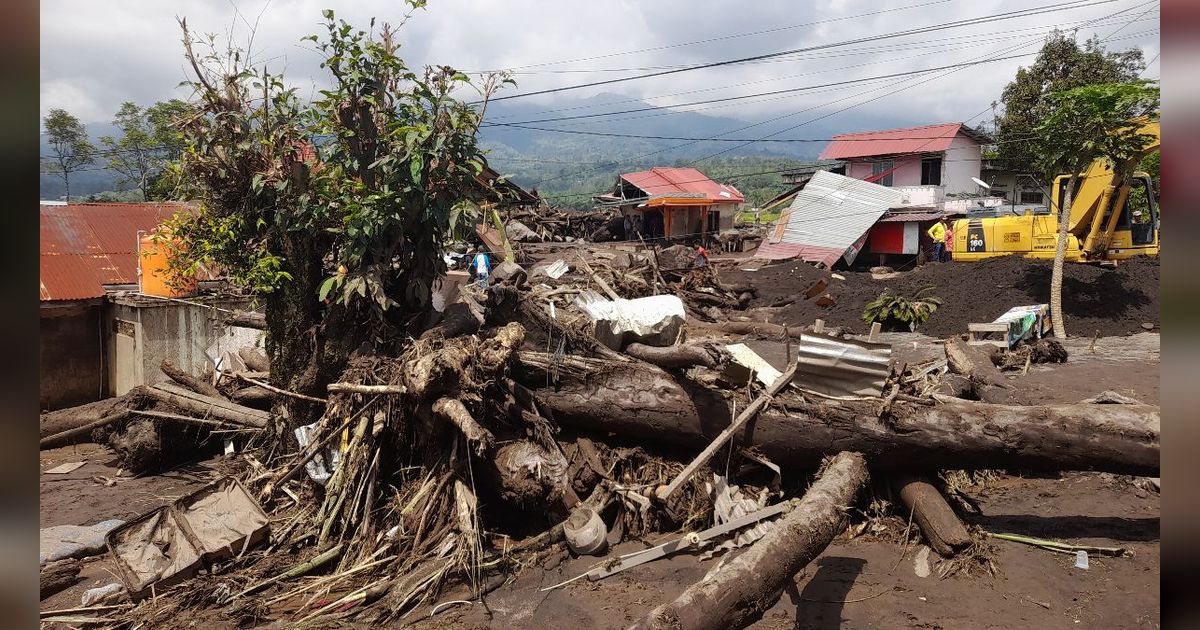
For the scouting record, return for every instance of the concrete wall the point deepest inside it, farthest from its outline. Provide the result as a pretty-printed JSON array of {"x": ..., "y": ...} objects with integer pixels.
[
  {"x": 71, "y": 354},
  {"x": 146, "y": 331},
  {"x": 961, "y": 162}
]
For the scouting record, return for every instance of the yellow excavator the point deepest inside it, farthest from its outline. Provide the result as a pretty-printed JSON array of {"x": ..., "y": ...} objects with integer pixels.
[{"x": 1112, "y": 218}]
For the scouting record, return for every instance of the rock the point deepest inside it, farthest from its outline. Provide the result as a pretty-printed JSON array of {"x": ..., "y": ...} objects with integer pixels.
[
  {"x": 73, "y": 541},
  {"x": 517, "y": 231},
  {"x": 1148, "y": 326}
]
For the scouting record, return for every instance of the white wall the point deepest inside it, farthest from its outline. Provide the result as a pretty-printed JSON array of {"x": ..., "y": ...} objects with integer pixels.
[{"x": 961, "y": 162}]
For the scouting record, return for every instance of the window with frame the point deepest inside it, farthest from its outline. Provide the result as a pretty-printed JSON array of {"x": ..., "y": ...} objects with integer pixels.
[
  {"x": 931, "y": 171},
  {"x": 882, "y": 167},
  {"x": 1031, "y": 196}
]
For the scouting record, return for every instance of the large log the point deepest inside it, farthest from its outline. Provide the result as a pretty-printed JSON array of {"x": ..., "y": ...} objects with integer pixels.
[
  {"x": 638, "y": 401},
  {"x": 58, "y": 575},
  {"x": 70, "y": 435},
  {"x": 975, "y": 364},
  {"x": 935, "y": 518},
  {"x": 738, "y": 594},
  {"x": 205, "y": 406},
  {"x": 677, "y": 356},
  {"x": 73, "y": 417},
  {"x": 247, "y": 319},
  {"x": 198, "y": 385}
]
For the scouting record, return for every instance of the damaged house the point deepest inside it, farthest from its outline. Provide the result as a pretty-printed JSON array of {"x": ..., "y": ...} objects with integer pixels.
[
  {"x": 107, "y": 319},
  {"x": 674, "y": 203}
]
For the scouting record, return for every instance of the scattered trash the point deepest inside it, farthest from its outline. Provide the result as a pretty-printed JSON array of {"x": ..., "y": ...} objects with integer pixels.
[
  {"x": 557, "y": 269},
  {"x": 745, "y": 363},
  {"x": 654, "y": 320},
  {"x": 1081, "y": 560},
  {"x": 921, "y": 563},
  {"x": 168, "y": 545},
  {"x": 585, "y": 532},
  {"x": 729, "y": 503},
  {"x": 316, "y": 467},
  {"x": 63, "y": 469},
  {"x": 107, "y": 594}
]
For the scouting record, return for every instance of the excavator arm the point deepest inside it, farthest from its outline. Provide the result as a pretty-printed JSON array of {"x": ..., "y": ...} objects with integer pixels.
[{"x": 1099, "y": 198}]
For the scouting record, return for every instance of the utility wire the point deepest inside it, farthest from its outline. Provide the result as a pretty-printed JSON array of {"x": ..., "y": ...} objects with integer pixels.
[
  {"x": 712, "y": 39},
  {"x": 1008, "y": 15}
]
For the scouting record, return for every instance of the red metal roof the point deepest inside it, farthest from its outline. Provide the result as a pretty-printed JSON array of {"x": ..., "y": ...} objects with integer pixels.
[
  {"x": 85, "y": 246},
  {"x": 663, "y": 181},
  {"x": 927, "y": 139}
]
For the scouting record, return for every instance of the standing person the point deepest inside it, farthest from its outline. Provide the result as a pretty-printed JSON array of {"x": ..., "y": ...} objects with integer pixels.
[
  {"x": 701, "y": 256},
  {"x": 949, "y": 239},
  {"x": 938, "y": 234},
  {"x": 481, "y": 266}
]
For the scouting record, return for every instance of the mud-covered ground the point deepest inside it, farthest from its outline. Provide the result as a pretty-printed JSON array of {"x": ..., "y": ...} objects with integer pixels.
[
  {"x": 1096, "y": 300},
  {"x": 864, "y": 582}
]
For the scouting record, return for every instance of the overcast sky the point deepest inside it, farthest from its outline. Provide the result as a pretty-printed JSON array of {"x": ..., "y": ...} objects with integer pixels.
[{"x": 94, "y": 55}]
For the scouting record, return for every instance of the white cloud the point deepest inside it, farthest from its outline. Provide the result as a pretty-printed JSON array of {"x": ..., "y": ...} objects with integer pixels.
[{"x": 95, "y": 55}]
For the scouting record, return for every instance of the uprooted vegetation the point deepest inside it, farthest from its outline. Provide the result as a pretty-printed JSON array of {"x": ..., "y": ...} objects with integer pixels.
[{"x": 406, "y": 455}]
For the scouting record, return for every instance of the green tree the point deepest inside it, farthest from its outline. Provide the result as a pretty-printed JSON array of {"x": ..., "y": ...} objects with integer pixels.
[
  {"x": 70, "y": 146},
  {"x": 1079, "y": 126},
  {"x": 342, "y": 249},
  {"x": 150, "y": 137},
  {"x": 1062, "y": 64}
]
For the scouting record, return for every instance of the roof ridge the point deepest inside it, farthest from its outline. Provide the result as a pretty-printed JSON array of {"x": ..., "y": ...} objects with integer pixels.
[{"x": 863, "y": 133}]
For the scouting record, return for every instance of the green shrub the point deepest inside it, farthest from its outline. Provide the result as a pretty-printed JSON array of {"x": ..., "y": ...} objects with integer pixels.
[{"x": 897, "y": 311}]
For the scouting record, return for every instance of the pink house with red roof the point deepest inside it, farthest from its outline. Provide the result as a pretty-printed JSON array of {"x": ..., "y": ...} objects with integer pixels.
[
  {"x": 942, "y": 157},
  {"x": 674, "y": 203}
]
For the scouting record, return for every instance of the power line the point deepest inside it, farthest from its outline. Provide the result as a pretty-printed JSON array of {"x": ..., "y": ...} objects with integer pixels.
[
  {"x": 715, "y": 39},
  {"x": 843, "y": 109},
  {"x": 1008, "y": 15},
  {"x": 788, "y": 58},
  {"x": 745, "y": 96}
]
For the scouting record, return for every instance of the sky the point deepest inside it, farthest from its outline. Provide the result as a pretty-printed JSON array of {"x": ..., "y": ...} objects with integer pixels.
[{"x": 95, "y": 55}]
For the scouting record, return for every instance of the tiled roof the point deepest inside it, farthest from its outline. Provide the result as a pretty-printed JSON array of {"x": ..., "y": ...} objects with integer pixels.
[
  {"x": 662, "y": 181},
  {"x": 85, "y": 246},
  {"x": 927, "y": 139}
]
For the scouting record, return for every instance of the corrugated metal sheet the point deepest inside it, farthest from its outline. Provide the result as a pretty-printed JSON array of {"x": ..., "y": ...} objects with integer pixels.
[
  {"x": 842, "y": 367},
  {"x": 85, "y": 246},
  {"x": 662, "y": 181},
  {"x": 927, "y": 139},
  {"x": 827, "y": 218},
  {"x": 906, "y": 217}
]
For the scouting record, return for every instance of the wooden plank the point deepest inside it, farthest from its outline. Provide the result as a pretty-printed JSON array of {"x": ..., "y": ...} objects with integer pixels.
[
  {"x": 988, "y": 327},
  {"x": 738, "y": 422}
]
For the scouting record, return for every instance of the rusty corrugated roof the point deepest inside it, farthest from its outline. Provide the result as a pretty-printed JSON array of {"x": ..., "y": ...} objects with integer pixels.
[
  {"x": 927, "y": 139},
  {"x": 661, "y": 181},
  {"x": 85, "y": 246}
]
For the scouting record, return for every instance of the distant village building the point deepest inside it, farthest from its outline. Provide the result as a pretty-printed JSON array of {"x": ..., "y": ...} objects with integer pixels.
[
  {"x": 100, "y": 335},
  {"x": 674, "y": 203}
]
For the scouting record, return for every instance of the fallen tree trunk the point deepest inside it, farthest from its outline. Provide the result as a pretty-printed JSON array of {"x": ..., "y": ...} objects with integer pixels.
[
  {"x": 638, "y": 401},
  {"x": 252, "y": 394},
  {"x": 254, "y": 359},
  {"x": 247, "y": 319},
  {"x": 750, "y": 328},
  {"x": 205, "y": 406},
  {"x": 739, "y": 593},
  {"x": 60, "y": 439},
  {"x": 936, "y": 520},
  {"x": 975, "y": 364},
  {"x": 193, "y": 383},
  {"x": 58, "y": 575},
  {"x": 677, "y": 356},
  {"x": 73, "y": 417}
]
